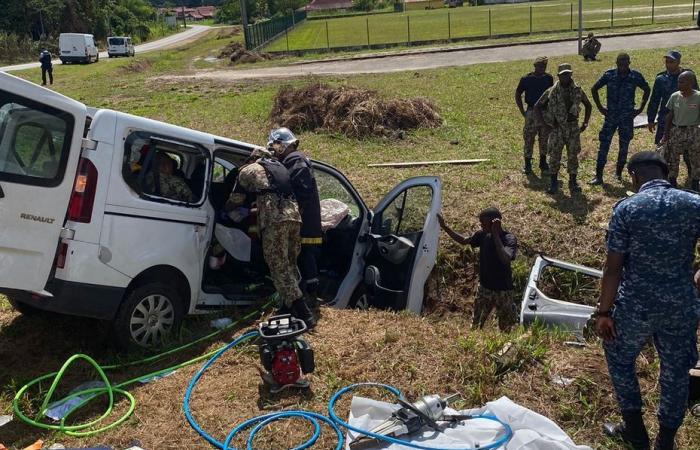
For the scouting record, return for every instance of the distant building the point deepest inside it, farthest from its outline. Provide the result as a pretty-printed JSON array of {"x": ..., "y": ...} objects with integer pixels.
[
  {"x": 321, "y": 5},
  {"x": 193, "y": 14}
]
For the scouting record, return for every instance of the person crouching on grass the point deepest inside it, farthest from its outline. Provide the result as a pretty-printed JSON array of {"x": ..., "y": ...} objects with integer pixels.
[{"x": 497, "y": 250}]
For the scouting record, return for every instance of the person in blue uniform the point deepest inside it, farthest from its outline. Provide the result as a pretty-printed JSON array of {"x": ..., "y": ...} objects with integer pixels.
[{"x": 648, "y": 294}]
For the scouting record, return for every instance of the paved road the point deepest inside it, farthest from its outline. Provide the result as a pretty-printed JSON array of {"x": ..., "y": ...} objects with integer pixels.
[
  {"x": 455, "y": 58},
  {"x": 167, "y": 42}
]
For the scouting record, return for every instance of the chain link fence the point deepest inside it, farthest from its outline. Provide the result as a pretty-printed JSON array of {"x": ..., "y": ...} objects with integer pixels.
[{"x": 260, "y": 33}]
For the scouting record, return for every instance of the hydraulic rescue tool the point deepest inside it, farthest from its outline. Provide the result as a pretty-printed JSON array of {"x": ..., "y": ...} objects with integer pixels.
[
  {"x": 410, "y": 419},
  {"x": 284, "y": 356}
]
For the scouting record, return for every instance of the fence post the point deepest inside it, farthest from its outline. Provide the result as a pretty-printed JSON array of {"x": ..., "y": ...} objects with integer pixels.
[
  {"x": 571, "y": 16},
  {"x": 693, "y": 17},
  {"x": 367, "y": 31},
  {"x": 408, "y": 28},
  {"x": 449, "y": 25},
  {"x": 286, "y": 36},
  {"x": 612, "y": 13},
  {"x": 328, "y": 41},
  {"x": 489, "y": 22},
  {"x": 652, "y": 11},
  {"x": 530, "y": 19}
]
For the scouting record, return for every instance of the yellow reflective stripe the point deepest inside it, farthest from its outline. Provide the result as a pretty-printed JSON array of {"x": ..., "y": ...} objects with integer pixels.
[{"x": 312, "y": 240}]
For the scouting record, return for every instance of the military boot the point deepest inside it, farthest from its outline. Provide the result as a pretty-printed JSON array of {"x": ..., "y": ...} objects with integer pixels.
[
  {"x": 665, "y": 440},
  {"x": 527, "y": 167},
  {"x": 631, "y": 430},
  {"x": 695, "y": 185},
  {"x": 553, "y": 185},
  {"x": 673, "y": 181},
  {"x": 573, "y": 185},
  {"x": 598, "y": 179},
  {"x": 618, "y": 172},
  {"x": 301, "y": 310},
  {"x": 544, "y": 167}
]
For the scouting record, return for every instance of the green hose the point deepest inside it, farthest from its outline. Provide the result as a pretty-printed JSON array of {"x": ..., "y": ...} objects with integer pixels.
[{"x": 108, "y": 388}]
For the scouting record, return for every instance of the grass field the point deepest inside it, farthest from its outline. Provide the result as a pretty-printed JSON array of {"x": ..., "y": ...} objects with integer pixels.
[
  {"x": 420, "y": 355},
  {"x": 481, "y": 21}
]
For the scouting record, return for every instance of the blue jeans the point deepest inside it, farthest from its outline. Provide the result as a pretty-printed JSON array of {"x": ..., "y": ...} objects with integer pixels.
[{"x": 623, "y": 123}]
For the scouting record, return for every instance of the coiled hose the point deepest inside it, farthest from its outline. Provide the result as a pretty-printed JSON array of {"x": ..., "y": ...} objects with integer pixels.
[{"x": 259, "y": 422}]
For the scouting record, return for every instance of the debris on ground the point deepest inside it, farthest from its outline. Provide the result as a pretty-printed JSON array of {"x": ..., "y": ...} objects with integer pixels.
[
  {"x": 352, "y": 111},
  {"x": 4, "y": 420},
  {"x": 221, "y": 323},
  {"x": 137, "y": 66},
  {"x": 237, "y": 53},
  {"x": 428, "y": 163},
  {"x": 234, "y": 31},
  {"x": 560, "y": 380}
]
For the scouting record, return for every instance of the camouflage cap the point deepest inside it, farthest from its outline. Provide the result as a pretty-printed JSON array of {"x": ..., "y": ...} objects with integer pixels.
[{"x": 564, "y": 68}]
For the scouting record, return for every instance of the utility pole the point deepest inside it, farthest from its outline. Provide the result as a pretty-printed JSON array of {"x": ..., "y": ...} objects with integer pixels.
[
  {"x": 580, "y": 25},
  {"x": 184, "y": 19},
  {"x": 244, "y": 22}
]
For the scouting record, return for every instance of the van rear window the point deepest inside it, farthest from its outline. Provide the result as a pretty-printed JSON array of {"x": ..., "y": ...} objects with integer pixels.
[
  {"x": 116, "y": 41},
  {"x": 34, "y": 141}
]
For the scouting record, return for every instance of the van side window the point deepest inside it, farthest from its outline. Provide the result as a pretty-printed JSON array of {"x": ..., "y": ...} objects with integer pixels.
[
  {"x": 161, "y": 169},
  {"x": 34, "y": 141}
]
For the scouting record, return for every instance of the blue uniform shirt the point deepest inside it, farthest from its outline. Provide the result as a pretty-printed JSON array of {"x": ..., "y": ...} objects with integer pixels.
[
  {"x": 665, "y": 84},
  {"x": 620, "y": 91},
  {"x": 656, "y": 230}
]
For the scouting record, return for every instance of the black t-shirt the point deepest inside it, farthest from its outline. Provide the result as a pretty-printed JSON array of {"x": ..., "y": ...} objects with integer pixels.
[
  {"x": 493, "y": 274},
  {"x": 534, "y": 86}
]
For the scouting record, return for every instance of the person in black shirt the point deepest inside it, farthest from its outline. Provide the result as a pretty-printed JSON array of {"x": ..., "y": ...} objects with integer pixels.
[
  {"x": 497, "y": 250},
  {"x": 533, "y": 86},
  {"x": 46, "y": 66}
]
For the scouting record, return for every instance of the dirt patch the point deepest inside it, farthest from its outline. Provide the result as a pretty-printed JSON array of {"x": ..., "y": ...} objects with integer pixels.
[
  {"x": 225, "y": 34},
  {"x": 237, "y": 54},
  {"x": 137, "y": 66},
  {"x": 352, "y": 111}
]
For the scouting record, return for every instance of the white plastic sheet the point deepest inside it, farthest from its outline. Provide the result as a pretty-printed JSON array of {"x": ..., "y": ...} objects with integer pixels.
[{"x": 531, "y": 431}]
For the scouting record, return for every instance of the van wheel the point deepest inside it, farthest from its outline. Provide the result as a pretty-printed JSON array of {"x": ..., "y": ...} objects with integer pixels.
[
  {"x": 360, "y": 298},
  {"x": 148, "y": 317}
]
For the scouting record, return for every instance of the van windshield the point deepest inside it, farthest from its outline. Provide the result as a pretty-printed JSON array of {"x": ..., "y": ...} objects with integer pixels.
[{"x": 116, "y": 41}]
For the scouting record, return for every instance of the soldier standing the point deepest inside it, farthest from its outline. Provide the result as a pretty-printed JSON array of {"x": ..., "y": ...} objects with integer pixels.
[
  {"x": 683, "y": 134},
  {"x": 278, "y": 225},
  {"x": 590, "y": 48},
  {"x": 563, "y": 105},
  {"x": 497, "y": 251},
  {"x": 285, "y": 146},
  {"x": 647, "y": 293},
  {"x": 619, "y": 112},
  {"x": 533, "y": 86},
  {"x": 46, "y": 66}
]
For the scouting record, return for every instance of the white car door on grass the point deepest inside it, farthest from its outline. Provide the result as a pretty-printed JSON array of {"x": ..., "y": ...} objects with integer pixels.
[{"x": 40, "y": 141}]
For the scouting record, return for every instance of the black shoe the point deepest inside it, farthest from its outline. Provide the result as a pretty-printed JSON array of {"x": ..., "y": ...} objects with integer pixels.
[
  {"x": 673, "y": 181},
  {"x": 618, "y": 172},
  {"x": 301, "y": 310},
  {"x": 527, "y": 167},
  {"x": 665, "y": 440},
  {"x": 553, "y": 185},
  {"x": 695, "y": 185},
  {"x": 598, "y": 179},
  {"x": 573, "y": 185},
  {"x": 544, "y": 167},
  {"x": 631, "y": 430}
]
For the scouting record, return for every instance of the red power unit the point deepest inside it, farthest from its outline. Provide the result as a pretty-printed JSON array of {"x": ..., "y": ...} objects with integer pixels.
[{"x": 284, "y": 356}]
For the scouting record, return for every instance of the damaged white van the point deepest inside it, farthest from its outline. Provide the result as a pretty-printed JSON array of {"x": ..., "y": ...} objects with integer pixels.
[{"x": 84, "y": 233}]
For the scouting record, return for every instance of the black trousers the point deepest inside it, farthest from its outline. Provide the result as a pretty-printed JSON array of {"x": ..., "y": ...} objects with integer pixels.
[
  {"x": 308, "y": 267},
  {"x": 44, "y": 70}
]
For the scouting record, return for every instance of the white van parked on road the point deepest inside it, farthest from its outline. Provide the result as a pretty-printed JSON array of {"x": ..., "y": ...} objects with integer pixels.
[
  {"x": 120, "y": 46},
  {"x": 77, "y": 47},
  {"x": 83, "y": 233}
]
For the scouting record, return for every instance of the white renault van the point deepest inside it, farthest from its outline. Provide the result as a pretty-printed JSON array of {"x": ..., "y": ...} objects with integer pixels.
[
  {"x": 77, "y": 47},
  {"x": 120, "y": 46},
  {"x": 84, "y": 234}
]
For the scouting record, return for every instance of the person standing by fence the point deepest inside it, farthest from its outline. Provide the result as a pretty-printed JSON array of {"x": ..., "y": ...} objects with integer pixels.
[{"x": 533, "y": 86}]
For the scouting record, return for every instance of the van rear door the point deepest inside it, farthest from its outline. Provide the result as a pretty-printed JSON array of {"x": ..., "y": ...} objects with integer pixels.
[{"x": 40, "y": 142}]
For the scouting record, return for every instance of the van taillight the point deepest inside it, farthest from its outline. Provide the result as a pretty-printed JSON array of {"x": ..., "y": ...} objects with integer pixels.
[
  {"x": 83, "y": 196},
  {"x": 61, "y": 255}
]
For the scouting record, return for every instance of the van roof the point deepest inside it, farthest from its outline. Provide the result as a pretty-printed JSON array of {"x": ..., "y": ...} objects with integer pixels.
[
  {"x": 119, "y": 37},
  {"x": 74, "y": 34}
]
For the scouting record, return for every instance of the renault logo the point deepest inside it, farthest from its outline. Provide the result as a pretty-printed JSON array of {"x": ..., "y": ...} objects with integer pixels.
[{"x": 26, "y": 216}]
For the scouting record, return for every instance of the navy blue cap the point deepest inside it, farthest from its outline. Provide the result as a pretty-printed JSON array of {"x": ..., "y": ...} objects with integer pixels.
[
  {"x": 647, "y": 158},
  {"x": 674, "y": 55}
]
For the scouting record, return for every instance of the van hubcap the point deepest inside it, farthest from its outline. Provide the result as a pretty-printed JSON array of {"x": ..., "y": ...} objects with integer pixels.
[{"x": 151, "y": 320}]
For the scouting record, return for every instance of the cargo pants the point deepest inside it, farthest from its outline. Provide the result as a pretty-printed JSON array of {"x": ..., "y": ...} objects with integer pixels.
[
  {"x": 568, "y": 135},
  {"x": 533, "y": 129},
  {"x": 680, "y": 140},
  {"x": 281, "y": 245},
  {"x": 487, "y": 300},
  {"x": 676, "y": 344}
]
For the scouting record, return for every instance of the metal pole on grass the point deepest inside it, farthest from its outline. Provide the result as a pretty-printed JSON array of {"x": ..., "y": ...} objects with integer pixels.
[
  {"x": 530, "y": 19},
  {"x": 571, "y": 16},
  {"x": 367, "y": 32},
  {"x": 489, "y": 22},
  {"x": 449, "y": 26},
  {"x": 408, "y": 28},
  {"x": 652, "y": 11},
  {"x": 580, "y": 25},
  {"x": 328, "y": 41},
  {"x": 286, "y": 36},
  {"x": 693, "y": 16},
  {"x": 612, "y": 13}
]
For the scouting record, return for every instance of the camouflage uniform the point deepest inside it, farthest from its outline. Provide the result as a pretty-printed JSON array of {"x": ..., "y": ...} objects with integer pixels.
[
  {"x": 656, "y": 230},
  {"x": 680, "y": 140},
  {"x": 590, "y": 48},
  {"x": 563, "y": 108},
  {"x": 171, "y": 186},
  {"x": 488, "y": 299},
  {"x": 531, "y": 130},
  {"x": 279, "y": 223}
]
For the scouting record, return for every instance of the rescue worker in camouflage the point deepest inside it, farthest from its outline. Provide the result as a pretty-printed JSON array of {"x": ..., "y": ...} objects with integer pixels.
[
  {"x": 497, "y": 249},
  {"x": 683, "y": 134},
  {"x": 648, "y": 294},
  {"x": 279, "y": 222},
  {"x": 621, "y": 84},
  {"x": 590, "y": 48},
  {"x": 559, "y": 109},
  {"x": 284, "y": 145},
  {"x": 164, "y": 183},
  {"x": 533, "y": 85}
]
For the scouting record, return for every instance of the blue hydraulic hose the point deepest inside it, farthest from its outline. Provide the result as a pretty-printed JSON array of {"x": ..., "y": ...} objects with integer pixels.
[
  {"x": 257, "y": 423},
  {"x": 331, "y": 413}
]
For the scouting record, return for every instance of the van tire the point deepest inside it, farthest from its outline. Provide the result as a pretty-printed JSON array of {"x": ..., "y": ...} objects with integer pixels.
[{"x": 158, "y": 306}]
